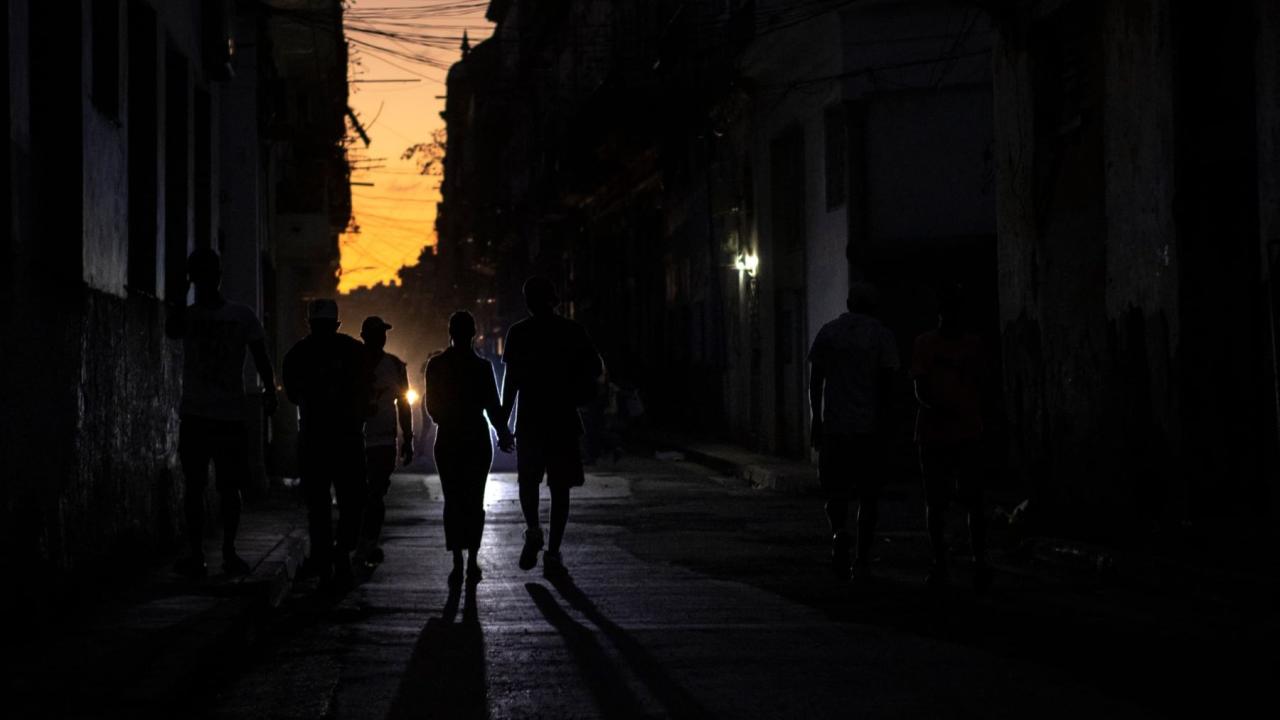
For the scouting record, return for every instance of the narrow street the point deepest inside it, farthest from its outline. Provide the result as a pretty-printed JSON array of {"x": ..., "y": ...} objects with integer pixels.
[{"x": 689, "y": 596}]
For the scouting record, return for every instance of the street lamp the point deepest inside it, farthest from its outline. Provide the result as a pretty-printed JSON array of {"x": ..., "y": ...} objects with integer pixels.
[{"x": 748, "y": 263}]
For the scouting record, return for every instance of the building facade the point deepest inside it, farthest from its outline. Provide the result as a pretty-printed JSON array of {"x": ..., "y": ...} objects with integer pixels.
[{"x": 137, "y": 131}]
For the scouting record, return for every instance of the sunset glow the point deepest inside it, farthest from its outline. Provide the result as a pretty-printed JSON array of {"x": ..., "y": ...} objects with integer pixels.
[{"x": 398, "y": 101}]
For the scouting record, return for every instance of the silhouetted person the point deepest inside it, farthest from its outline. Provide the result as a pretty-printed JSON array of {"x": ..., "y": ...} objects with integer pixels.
[
  {"x": 947, "y": 367},
  {"x": 552, "y": 368},
  {"x": 215, "y": 334},
  {"x": 389, "y": 395},
  {"x": 325, "y": 376},
  {"x": 852, "y": 364},
  {"x": 461, "y": 391}
]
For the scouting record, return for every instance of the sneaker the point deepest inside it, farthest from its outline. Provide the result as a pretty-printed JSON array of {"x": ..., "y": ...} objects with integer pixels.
[
  {"x": 532, "y": 544},
  {"x": 234, "y": 565},
  {"x": 191, "y": 567},
  {"x": 553, "y": 565}
]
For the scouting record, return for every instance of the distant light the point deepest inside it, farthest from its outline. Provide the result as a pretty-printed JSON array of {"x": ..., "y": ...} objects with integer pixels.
[
  {"x": 411, "y": 396},
  {"x": 748, "y": 264}
]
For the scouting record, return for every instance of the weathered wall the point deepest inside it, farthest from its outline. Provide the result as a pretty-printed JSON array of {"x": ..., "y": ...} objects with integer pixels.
[
  {"x": 1079, "y": 245},
  {"x": 1131, "y": 315}
]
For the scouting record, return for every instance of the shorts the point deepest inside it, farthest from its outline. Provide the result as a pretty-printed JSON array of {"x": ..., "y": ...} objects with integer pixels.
[
  {"x": 952, "y": 471},
  {"x": 225, "y": 443},
  {"x": 850, "y": 465},
  {"x": 558, "y": 458}
]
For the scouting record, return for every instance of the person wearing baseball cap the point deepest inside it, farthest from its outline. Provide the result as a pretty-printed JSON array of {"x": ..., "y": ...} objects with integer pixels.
[
  {"x": 389, "y": 395},
  {"x": 325, "y": 376}
]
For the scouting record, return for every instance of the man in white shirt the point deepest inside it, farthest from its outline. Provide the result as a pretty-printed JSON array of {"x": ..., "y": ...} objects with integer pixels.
[
  {"x": 215, "y": 335},
  {"x": 389, "y": 395},
  {"x": 852, "y": 364}
]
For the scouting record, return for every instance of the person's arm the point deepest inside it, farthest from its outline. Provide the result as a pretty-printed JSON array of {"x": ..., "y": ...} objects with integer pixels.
[
  {"x": 290, "y": 379},
  {"x": 405, "y": 414},
  {"x": 817, "y": 379},
  {"x": 262, "y": 361},
  {"x": 920, "y": 377},
  {"x": 493, "y": 408},
  {"x": 510, "y": 389}
]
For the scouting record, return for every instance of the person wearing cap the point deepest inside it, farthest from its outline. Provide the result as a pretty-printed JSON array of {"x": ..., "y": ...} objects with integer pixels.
[
  {"x": 389, "y": 395},
  {"x": 552, "y": 368},
  {"x": 215, "y": 334},
  {"x": 852, "y": 364},
  {"x": 462, "y": 398},
  {"x": 325, "y": 375}
]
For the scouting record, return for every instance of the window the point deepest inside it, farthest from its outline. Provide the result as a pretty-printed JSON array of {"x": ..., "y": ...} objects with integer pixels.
[
  {"x": 836, "y": 145},
  {"x": 106, "y": 57}
]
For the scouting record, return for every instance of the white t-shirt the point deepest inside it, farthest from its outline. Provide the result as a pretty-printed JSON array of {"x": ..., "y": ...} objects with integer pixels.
[
  {"x": 214, "y": 343},
  {"x": 390, "y": 383},
  {"x": 851, "y": 351}
]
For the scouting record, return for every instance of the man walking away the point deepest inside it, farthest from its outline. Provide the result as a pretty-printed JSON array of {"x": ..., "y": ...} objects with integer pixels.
[
  {"x": 325, "y": 376},
  {"x": 947, "y": 367},
  {"x": 851, "y": 368},
  {"x": 215, "y": 334},
  {"x": 390, "y": 397},
  {"x": 552, "y": 368}
]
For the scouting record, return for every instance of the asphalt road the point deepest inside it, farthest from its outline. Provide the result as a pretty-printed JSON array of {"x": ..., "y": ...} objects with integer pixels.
[{"x": 691, "y": 596}]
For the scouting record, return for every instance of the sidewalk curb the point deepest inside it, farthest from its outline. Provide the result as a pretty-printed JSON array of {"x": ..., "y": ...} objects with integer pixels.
[
  {"x": 157, "y": 645},
  {"x": 787, "y": 478}
]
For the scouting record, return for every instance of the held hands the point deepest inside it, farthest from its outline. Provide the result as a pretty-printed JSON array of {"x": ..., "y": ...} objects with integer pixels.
[{"x": 506, "y": 441}]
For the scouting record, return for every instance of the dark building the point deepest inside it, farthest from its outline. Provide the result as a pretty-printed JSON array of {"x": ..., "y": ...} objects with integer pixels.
[
  {"x": 138, "y": 131},
  {"x": 1137, "y": 161},
  {"x": 705, "y": 179}
]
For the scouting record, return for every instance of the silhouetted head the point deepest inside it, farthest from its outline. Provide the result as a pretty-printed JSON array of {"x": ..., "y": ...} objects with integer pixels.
[
  {"x": 374, "y": 332},
  {"x": 204, "y": 269},
  {"x": 863, "y": 298},
  {"x": 952, "y": 305},
  {"x": 462, "y": 327},
  {"x": 322, "y": 315},
  {"x": 540, "y": 295}
]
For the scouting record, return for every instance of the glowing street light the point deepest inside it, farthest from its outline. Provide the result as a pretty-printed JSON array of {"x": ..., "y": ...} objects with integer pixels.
[
  {"x": 748, "y": 264},
  {"x": 411, "y": 396}
]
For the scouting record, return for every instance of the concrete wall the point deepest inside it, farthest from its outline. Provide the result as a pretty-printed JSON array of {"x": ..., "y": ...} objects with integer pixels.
[
  {"x": 89, "y": 432},
  {"x": 1133, "y": 331}
]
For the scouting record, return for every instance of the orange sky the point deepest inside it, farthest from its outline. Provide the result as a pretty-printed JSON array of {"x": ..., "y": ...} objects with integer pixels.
[{"x": 396, "y": 215}]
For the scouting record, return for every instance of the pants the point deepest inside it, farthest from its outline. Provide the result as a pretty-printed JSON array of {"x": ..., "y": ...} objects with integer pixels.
[
  {"x": 332, "y": 461},
  {"x": 222, "y": 442},
  {"x": 463, "y": 458},
  {"x": 225, "y": 444},
  {"x": 954, "y": 470},
  {"x": 379, "y": 462}
]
